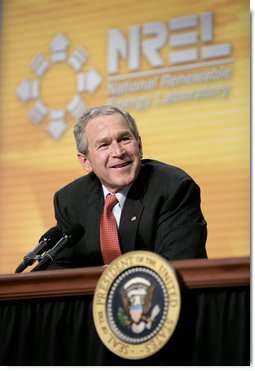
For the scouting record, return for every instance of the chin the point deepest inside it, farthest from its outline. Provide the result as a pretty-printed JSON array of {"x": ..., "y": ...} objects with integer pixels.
[{"x": 118, "y": 187}]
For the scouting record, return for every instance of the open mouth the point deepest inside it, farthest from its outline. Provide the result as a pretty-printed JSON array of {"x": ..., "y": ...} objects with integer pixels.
[{"x": 118, "y": 166}]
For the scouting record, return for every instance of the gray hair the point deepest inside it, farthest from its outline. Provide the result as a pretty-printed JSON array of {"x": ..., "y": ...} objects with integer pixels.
[{"x": 79, "y": 129}]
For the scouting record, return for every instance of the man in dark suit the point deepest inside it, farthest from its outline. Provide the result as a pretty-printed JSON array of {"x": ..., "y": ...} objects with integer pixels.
[{"x": 159, "y": 204}]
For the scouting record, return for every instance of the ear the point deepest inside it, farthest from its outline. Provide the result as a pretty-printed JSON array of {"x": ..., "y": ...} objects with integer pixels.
[
  {"x": 84, "y": 161},
  {"x": 140, "y": 147}
]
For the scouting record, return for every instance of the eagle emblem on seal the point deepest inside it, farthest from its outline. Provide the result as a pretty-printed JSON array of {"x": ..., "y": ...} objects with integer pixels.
[{"x": 137, "y": 311}]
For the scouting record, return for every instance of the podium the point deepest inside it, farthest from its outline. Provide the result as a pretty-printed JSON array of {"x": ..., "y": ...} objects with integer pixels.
[{"x": 46, "y": 318}]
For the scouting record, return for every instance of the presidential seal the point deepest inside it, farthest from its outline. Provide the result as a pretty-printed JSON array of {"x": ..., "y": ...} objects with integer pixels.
[{"x": 136, "y": 304}]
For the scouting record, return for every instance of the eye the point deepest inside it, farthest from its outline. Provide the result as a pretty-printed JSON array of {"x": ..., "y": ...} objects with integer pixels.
[
  {"x": 125, "y": 139},
  {"x": 103, "y": 145}
]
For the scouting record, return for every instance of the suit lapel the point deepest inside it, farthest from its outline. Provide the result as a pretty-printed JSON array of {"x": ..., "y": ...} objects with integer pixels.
[
  {"x": 129, "y": 222},
  {"x": 132, "y": 212}
]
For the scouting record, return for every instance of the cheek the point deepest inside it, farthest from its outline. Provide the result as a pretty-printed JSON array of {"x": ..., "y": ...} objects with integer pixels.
[
  {"x": 98, "y": 160},
  {"x": 137, "y": 152}
]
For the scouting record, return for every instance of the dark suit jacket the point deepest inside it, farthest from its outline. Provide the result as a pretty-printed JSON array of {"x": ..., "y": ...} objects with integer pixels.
[{"x": 161, "y": 214}]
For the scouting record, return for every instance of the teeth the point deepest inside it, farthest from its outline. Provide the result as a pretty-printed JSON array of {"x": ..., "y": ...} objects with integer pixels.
[{"x": 120, "y": 165}]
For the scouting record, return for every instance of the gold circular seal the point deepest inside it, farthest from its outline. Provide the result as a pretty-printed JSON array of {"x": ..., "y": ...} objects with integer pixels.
[{"x": 136, "y": 304}]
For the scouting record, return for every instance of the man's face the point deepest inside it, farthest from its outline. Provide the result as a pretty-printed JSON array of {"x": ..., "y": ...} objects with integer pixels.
[{"x": 114, "y": 154}]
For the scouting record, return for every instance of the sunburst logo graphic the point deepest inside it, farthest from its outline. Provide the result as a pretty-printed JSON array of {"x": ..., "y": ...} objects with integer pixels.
[{"x": 49, "y": 72}]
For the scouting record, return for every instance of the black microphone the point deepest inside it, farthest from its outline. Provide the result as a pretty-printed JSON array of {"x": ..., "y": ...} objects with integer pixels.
[
  {"x": 69, "y": 238},
  {"x": 47, "y": 240}
]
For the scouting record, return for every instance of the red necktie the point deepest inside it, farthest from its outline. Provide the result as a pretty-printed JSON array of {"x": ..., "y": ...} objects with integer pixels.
[{"x": 109, "y": 240}]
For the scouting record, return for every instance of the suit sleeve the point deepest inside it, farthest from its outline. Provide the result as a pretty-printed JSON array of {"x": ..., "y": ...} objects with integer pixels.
[
  {"x": 181, "y": 229},
  {"x": 61, "y": 219},
  {"x": 66, "y": 258}
]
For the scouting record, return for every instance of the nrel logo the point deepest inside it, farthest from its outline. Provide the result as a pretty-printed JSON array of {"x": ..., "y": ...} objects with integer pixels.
[
  {"x": 183, "y": 44},
  {"x": 189, "y": 32}
]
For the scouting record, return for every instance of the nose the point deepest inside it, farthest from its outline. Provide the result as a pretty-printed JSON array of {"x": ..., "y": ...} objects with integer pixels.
[{"x": 117, "y": 148}]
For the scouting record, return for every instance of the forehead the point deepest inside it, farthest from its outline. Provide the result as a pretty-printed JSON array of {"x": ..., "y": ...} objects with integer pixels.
[{"x": 105, "y": 125}]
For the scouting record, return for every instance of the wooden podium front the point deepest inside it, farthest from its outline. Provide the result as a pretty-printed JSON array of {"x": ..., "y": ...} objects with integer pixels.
[{"x": 46, "y": 318}]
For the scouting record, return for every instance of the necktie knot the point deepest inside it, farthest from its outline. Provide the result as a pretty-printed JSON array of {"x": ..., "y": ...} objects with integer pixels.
[{"x": 110, "y": 202}]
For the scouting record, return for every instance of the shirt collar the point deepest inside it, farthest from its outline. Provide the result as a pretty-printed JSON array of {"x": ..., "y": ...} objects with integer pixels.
[{"x": 121, "y": 195}]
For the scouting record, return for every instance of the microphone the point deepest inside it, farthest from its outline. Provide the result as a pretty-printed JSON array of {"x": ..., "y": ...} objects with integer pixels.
[
  {"x": 46, "y": 241},
  {"x": 69, "y": 238}
]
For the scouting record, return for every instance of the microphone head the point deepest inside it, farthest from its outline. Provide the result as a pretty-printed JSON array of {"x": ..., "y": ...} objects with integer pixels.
[
  {"x": 52, "y": 235},
  {"x": 75, "y": 233}
]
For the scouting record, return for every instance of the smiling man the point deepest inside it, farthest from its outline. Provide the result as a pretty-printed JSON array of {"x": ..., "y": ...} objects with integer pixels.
[
  {"x": 113, "y": 152},
  {"x": 153, "y": 206}
]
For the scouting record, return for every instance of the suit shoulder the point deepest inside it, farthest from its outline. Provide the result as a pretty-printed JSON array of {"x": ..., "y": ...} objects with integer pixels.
[
  {"x": 163, "y": 180},
  {"x": 160, "y": 169},
  {"x": 77, "y": 185}
]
